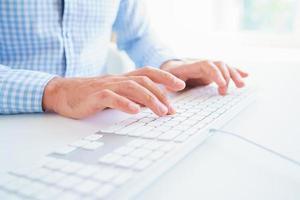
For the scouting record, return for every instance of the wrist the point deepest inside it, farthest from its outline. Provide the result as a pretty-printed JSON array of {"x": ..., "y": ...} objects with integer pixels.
[
  {"x": 51, "y": 92},
  {"x": 173, "y": 67},
  {"x": 168, "y": 65}
]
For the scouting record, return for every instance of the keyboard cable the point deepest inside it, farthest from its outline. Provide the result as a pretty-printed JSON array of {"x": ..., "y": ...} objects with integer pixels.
[{"x": 217, "y": 131}]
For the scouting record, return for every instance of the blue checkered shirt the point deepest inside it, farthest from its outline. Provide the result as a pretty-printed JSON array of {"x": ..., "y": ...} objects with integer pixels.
[{"x": 41, "y": 39}]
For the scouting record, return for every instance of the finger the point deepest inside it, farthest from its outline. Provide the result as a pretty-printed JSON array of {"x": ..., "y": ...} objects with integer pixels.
[
  {"x": 139, "y": 94},
  {"x": 242, "y": 73},
  {"x": 160, "y": 76},
  {"x": 226, "y": 75},
  {"x": 214, "y": 74},
  {"x": 152, "y": 87},
  {"x": 108, "y": 98},
  {"x": 236, "y": 77}
]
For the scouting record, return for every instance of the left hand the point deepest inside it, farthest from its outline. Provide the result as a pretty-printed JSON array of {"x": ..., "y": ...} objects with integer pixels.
[{"x": 197, "y": 73}]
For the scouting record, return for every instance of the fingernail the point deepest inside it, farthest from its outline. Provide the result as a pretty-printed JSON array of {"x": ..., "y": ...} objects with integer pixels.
[
  {"x": 223, "y": 91},
  {"x": 180, "y": 83},
  {"x": 223, "y": 82},
  {"x": 162, "y": 108},
  {"x": 134, "y": 106},
  {"x": 172, "y": 110}
]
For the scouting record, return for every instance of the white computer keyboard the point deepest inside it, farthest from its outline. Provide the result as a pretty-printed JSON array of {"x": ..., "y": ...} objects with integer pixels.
[{"x": 120, "y": 160}]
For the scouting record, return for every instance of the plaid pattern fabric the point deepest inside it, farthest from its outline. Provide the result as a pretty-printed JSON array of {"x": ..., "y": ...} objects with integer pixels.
[{"x": 41, "y": 39}]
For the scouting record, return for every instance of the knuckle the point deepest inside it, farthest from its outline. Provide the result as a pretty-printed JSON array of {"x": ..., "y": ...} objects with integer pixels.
[
  {"x": 130, "y": 84},
  {"x": 220, "y": 63},
  {"x": 148, "y": 68},
  {"x": 145, "y": 79},
  {"x": 213, "y": 71},
  {"x": 104, "y": 94},
  {"x": 94, "y": 109},
  {"x": 118, "y": 103},
  {"x": 207, "y": 62},
  {"x": 151, "y": 99},
  {"x": 168, "y": 76},
  {"x": 163, "y": 98}
]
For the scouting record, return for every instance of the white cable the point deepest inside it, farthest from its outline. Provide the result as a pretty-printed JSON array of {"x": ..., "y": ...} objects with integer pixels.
[{"x": 257, "y": 145}]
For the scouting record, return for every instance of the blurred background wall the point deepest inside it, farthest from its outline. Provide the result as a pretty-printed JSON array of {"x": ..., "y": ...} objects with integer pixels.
[
  {"x": 266, "y": 30},
  {"x": 239, "y": 32}
]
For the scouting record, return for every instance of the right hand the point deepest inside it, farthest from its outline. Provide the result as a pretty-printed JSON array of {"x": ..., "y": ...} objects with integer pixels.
[{"x": 80, "y": 97}]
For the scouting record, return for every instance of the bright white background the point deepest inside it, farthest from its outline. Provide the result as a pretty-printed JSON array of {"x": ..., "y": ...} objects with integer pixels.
[{"x": 217, "y": 29}]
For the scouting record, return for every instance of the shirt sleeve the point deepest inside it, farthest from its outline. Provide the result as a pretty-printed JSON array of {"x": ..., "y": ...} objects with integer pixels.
[
  {"x": 21, "y": 91},
  {"x": 135, "y": 36}
]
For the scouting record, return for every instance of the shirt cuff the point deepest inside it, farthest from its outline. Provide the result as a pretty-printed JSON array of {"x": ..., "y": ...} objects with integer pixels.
[{"x": 21, "y": 91}]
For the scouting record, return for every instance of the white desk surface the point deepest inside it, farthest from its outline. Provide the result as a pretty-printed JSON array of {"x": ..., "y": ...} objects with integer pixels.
[{"x": 273, "y": 120}]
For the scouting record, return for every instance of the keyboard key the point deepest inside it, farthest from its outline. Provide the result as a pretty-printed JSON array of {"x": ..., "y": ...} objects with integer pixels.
[
  {"x": 86, "y": 187},
  {"x": 53, "y": 177},
  {"x": 17, "y": 184},
  {"x": 163, "y": 128},
  {"x": 135, "y": 133},
  {"x": 154, "y": 124},
  {"x": 164, "y": 118},
  {"x": 137, "y": 142},
  {"x": 181, "y": 138},
  {"x": 93, "y": 137},
  {"x": 183, "y": 127},
  {"x": 104, "y": 191},
  {"x": 171, "y": 123},
  {"x": 33, "y": 188},
  {"x": 146, "y": 120},
  {"x": 124, "y": 150},
  {"x": 22, "y": 171},
  {"x": 122, "y": 178},
  {"x": 93, "y": 145},
  {"x": 69, "y": 195},
  {"x": 167, "y": 147},
  {"x": 155, "y": 155},
  {"x": 12, "y": 196},
  {"x": 118, "y": 126},
  {"x": 38, "y": 173},
  {"x": 5, "y": 195},
  {"x": 199, "y": 126},
  {"x": 57, "y": 164},
  {"x": 170, "y": 135},
  {"x": 142, "y": 164},
  {"x": 110, "y": 158},
  {"x": 140, "y": 153},
  {"x": 65, "y": 150},
  {"x": 71, "y": 167},
  {"x": 80, "y": 143},
  {"x": 49, "y": 194},
  {"x": 105, "y": 174},
  {"x": 68, "y": 181},
  {"x": 153, "y": 145},
  {"x": 87, "y": 171},
  {"x": 6, "y": 178},
  {"x": 126, "y": 161},
  {"x": 129, "y": 128},
  {"x": 152, "y": 134}
]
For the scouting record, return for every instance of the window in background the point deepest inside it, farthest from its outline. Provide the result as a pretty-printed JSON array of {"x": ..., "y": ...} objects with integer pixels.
[
  {"x": 257, "y": 22},
  {"x": 269, "y": 15}
]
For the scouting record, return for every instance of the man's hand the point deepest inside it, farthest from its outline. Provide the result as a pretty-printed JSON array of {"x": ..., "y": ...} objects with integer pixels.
[
  {"x": 197, "y": 73},
  {"x": 81, "y": 97}
]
